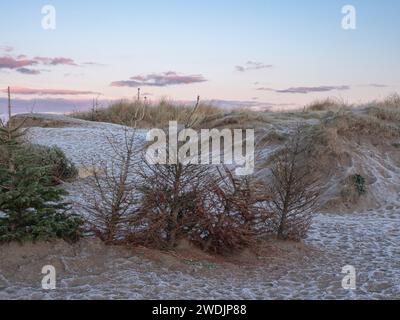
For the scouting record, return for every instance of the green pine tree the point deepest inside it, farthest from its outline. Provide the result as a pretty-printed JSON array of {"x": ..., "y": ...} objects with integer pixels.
[
  {"x": 30, "y": 207},
  {"x": 10, "y": 142}
]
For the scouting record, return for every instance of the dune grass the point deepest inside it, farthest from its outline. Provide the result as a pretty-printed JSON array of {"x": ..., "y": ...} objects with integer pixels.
[
  {"x": 156, "y": 114},
  {"x": 328, "y": 104},
  {"x": 387, "y": 110},
  {"x": 377, "y": 118}
]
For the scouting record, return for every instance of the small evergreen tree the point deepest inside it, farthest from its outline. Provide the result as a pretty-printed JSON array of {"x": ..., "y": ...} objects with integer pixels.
[
  {"x": 33, "y": 210},
  {"x": 30, "y": 207},
  {"x": 9, "y": 143},
  {"x": 59, "y": 167}
]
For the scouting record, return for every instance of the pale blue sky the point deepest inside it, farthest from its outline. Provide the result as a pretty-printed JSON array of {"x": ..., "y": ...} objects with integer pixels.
[{"x": 291, "y": 44}]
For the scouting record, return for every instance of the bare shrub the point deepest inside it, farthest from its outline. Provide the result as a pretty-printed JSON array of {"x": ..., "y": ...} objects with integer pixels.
[
  {"x": 170, "y": 193},
  {"x": 206, "y": 205},
  {"x": 294, "y": 187},
  {"x": 170, "y": 196},
  {"x": 229, "y": 218},
  {"x": 110, "y": 196}
]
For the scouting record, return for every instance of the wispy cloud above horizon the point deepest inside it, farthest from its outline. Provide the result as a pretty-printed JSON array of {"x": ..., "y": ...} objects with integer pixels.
[
  {"x": 252, "y": 65},
  {"x": 28, "y": 71},
  {"x": 56, "y": 61},
  {"x": 44, "y": 91},
  {"x": 378, "y": 85},
  {"x": 92, "y": 63},
  {"x": 306, "y": 90},
  {"x": 164, "y": 79}
]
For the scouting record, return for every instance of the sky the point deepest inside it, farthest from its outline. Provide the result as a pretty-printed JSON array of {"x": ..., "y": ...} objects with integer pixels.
[{"x": 255, "y": 53}]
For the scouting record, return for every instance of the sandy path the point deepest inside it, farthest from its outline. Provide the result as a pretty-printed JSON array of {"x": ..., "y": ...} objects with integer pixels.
[{"x": 369, "y": 242}]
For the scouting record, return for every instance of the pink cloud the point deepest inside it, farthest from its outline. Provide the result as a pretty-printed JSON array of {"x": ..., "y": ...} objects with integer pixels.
[
  {"x": 252, "y": 65},
  {"x": 159, "y": 80},
  {"x": 56, "y": 61},
  {"x": 91, "y": 63},
  {"x": 12, "y": 63},
  {"x": 20, "y": 62},
  {"x": 32, "y": 91},
  {"x": 28, "y": 71},
  {"x": 305, "y": 90}
]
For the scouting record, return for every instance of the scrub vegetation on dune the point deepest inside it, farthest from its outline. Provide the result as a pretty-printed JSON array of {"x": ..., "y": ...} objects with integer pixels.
[
  {"x": 158, "y": 114},
  {"x": 326, "y": 176},
  {"x": 387, "y": 110}
]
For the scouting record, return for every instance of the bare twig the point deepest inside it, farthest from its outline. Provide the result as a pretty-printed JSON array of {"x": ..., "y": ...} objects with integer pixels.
[{"x": 295, "y": 188}]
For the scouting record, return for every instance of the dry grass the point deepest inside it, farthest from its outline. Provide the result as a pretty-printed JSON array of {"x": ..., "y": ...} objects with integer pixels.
[
  {"x": 351, "y": 125},
  {"x": 380, "y": 118},
  {"x": 157, "y": 114},
  {"x": 332, "y": 137},
  {"x": 238, "y": 120},
  {"x": 387, "y": 110},
  {"x": 328, "y": 104}
]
